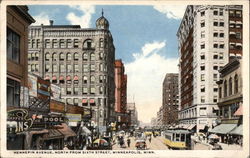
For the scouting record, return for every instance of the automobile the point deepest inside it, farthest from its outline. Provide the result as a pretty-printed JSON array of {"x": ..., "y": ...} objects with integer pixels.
[
  {"x": 147, "y": 133},
  {"x": 140, "y": 144}
]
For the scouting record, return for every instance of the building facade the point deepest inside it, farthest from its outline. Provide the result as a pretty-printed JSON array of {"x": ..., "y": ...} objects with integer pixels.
[
  {"x": 204, "y": 42},
  {"x": 121, "y": 93},
  {"x": 80, "y": 61},
  {"x": 132, "y": 111},
  {"x": 170, "y": 99}
]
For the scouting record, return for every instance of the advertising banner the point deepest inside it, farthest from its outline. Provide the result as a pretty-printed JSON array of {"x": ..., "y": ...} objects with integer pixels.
[
  {"x": 32, "y": 85},
  {"x": 73, "y": 117},
  {"x": 55, "y": 92}
]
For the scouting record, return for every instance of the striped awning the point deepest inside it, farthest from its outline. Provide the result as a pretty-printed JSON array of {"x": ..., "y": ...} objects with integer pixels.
[
  {"x": 68, "y": 78},
  {"x": 61, "y": 78},
  {"x": 91, "y": 101},
  {"x": 54, "y": 78},
  {"x": 223, "y": 128},
  {"x": 237, "y": 130},
  {"x": 84, "y": 100}
]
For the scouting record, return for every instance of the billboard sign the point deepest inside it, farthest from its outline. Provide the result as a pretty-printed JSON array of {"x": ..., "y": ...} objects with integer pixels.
[
  {"x": 55, "y": 92},
  {"x": 32, "y": 85}
]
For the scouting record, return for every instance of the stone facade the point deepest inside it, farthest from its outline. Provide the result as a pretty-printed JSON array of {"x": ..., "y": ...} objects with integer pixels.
[{"x": 80, "y": 61}]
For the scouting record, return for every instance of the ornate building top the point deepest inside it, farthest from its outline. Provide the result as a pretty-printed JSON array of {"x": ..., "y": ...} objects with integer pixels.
[{"x": 102, "y": 23}]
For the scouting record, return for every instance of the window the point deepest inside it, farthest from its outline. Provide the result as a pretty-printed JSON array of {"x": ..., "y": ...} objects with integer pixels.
[
  {"x": 202, "y": 67},
  {"x": 92, "y": 79},
  {"x": 54, "y": 43},
  {"x": 75, "y": 91},
  {"x": 215, "y": 77},
  {"x": 215, "y": 34},
  {"x": 85, "y": 79},
  {"x": 36, "y": 56},
  {"x": 236, "y": 84},
  {"x": 221, "y": 45},
  {"x": 202, "y": 13},
  {"x": 13, "y": 46},
  {"x": 92, "y": 67},
  {"x": 202, "y": 34},
  {"x": 100, "y": 79},
  {"x": 84, "y": 90},
  {"x": 68, "y": 56},
  {"x": 225, "y": 88},
  {"x": 202, "y": 46},
  {"x": 76, "y": 56},
  {"x": 220, "y": 92},
  {"x": 76, "y": 67},
  {"x": 92, "y": 90},
  {"x": 101, "y": 55},
  {"x": 47, "y": 67},
  {"x": 76, "y": 43},
  {"x": 32, "y": 67},
  {"x": 54, "y": 57},
  {"x": 54, "y": 68},
  {"x": 238, "y": 13},
  {"x": 101, "y": 90},
  {"x": 215, "y": 67},
  {"x": 215, "y": 56},
  {"x": 33, "y": 43},
  {"x": 202, "y": 24},
  {"x": 69, "y": 43},
  {"x": 230, "y": 86},
  {"x": 238, "y": 35},
  {"x": 69, "y": 101},
  {"x": 87, "y": 44},
  {"x": 62, "y": 68},
  {"x": 221, "y": 56},
  {"x": 62, "y": 43},
  {"x": 215, "y": 89},
  {"x": 203, "y": 110},
  {"x": 202, "y": 77},
  {"x": 68, "y": 90},
  {"x": 215, "y": 99},
  {"x": 221, "y": 34},
  {"x": 101, "y": 67},
  {"x": 221, "y": 12},
  {"x": 76, "y": 101},
  {"x": 47, "y": 43},
  {"x": 13, "y": 93},
  {"x": 92, "y": 56},
  {"x": 202, "y": 88},
  {"x": 101, "y": 42},
  {"x": 215, "y": 23},
  {"x": 222, "y": 24},
  {"x": 61, "y": 56},
  {"x": 85, "y": 68},
  {"x": 69, "y": 68},
  {"x": 29, "y": 67},
  {"x": 215, "y": 45},
  {"x": 215, "y": 12},
  {"x": 202, "y": 57},
  {"x": 85, "y": 56}
]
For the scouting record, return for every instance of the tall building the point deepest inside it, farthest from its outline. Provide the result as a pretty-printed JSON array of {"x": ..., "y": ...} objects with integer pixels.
[
  {"x": 170, "y": 99},
  {"x": 204, "y": 42},
  {"x": 131, "y": 109},
  {"x": 120, "y": 93},
  {"x": 18, "y": 20},
  {"x": 80, "y": 61}
]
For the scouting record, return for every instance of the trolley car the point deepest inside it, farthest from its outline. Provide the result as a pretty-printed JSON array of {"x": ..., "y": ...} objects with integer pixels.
[{"x": 178, "y": 139}]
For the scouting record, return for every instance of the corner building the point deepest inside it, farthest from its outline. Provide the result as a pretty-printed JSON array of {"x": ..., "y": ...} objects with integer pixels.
[
  {"x": 80, "y": 61},
  {"x": 205, "y": 40}
]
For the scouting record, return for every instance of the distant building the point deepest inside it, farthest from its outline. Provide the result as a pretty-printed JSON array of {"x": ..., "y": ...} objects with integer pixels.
[
  {"x": 160, "y": 116},
  {"x": 153, "y": 121},
  {"x": 208, "y": 37},
  {"x": 80, "y": 61},
  {"x": 121, "y": 94},
  {"x": 230, "y": 101},
  {"x": 170, "y": 99},
  {"x": 132, "y": 111}
]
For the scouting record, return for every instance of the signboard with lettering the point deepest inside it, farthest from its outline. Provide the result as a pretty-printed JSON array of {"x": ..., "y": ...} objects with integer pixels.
[
  {"x": 56, "y": 106},
  {"x": 86, "y": 113},
  {"x": 43, "y": 89},
  {"x": 24, "y": 97},
  {"x": 55, "y": 92},
  {"x": 74, "y": 117},
  {"x": 74, "y": 109},
  {"x": 32, "y": 85}
]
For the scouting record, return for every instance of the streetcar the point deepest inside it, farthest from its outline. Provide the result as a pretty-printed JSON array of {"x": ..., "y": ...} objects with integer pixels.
[{"x": 177, "y": 139}]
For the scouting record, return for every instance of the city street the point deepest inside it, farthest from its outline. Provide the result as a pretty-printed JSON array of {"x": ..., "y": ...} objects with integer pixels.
[{"x": 156, "y": 144}]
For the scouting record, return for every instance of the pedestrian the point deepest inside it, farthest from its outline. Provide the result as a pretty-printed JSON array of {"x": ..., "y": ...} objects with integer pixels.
[
  {"x": 50, "y": 147},
  {"x": 128, "y": 142}
]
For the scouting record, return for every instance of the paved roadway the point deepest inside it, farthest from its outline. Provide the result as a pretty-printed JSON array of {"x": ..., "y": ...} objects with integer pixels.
[{"x": 156, "y": 144}]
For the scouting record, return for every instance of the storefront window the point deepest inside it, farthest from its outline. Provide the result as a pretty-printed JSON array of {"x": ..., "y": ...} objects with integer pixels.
[{"x": 13, "y": 93}]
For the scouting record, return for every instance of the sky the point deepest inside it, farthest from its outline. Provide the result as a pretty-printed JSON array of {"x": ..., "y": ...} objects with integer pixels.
[{"x": 144, "y": 38}]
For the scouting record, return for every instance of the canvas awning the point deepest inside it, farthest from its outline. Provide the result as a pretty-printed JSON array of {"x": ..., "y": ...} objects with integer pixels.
[
  {"x": 223, "y": 128},
  {"x": 190, "y": 127},
  {"x": 237, "y": 130},
  {"x": 54, "y": 78},
  {"x": 46, "y": 78},
  {"x": 85, "y": 130},
  {"x": 76, "y": 78},
  {"x": 84, "y": 100},
  {"x": 239, "y": 111},
  {"x": 61, "y": 78},
  {"x": 39, "y": 132},
  {"x": 91, "y": 101},
  {"x": 53, "y": 134},
  {"x": 65, "y": 130},
  {"x": 68, "y": 78}
]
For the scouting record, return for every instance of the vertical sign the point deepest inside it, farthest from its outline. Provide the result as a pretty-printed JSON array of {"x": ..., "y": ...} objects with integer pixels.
[
  {"x": 56, "y": 92},
  {"x": 32, "y": 85}
]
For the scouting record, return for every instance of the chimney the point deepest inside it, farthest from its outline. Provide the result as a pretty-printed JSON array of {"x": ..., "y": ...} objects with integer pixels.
[{"x": 51, "y": 22}]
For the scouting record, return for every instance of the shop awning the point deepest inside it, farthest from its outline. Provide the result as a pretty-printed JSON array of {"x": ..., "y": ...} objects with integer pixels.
[
  {"x": 84, "y": 100},
  {"x": 46, "y": 78},
  {"x": 237, "y": 130},
  {"x": 53, "y": 134},
  {"x": 54, "y": 78},
  {"x": 65, "y": 130},
  {"x": 91, "y": 101},
  {"x": 68, "y": 78},
  {"x": 201, "y": 126},
  {"x": 191, "y": 126},
  {"x": 216, "y": 108},
  {"x": 239, "y": 111},
  {"x": 223, "y": 128},
  {"x": 185, "y": 126},
  {"x": 76, "y": 78},
  {"x": 39, "y": 132},
  {"x": 61, "y": 78}
]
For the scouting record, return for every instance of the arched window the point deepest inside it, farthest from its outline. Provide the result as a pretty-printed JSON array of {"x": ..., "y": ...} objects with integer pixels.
[
  {"x": 85, "y": 56},
  {"x": 92, "y": 79},
  {"x": 101, "y": 67},
  {"x": 236, "y": 84},
  {"x": 101, "y": 43},
  {"x": 87, "y": 44},
  {"x": 32, "y": 67},
  {"x": 230, "y": 86},
  {"x": 68, "y": 56},
  {"x": 54, "y": 56},
  {"x": 62, "y": 56},
  {"x": 47, "y": 56},
  {"x": 225, "y": 88},
  {"x": 85, "y": 79},
  {"x": 92, "y": 56},
  {"x": 76, "y": 56},
  {"x": 101, "y": 90},
  {"x": 36, "y": 56}
]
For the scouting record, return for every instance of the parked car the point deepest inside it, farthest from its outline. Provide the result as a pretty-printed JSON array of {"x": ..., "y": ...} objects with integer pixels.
[{"x": 140, "y": 144}]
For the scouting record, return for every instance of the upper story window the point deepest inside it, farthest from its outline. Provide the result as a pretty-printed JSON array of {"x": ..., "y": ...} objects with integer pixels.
[
  {"x": 76, "y": 43},
  {"x": 230, "y": 86},
  {"x": 54, "y": 56},
  {"x": 68, "y": 56},
  {"x": 13, "y": 46},
  {"x": 85, "y": 56},
  {"x": 203, "y": 24},
  {"x": 76, "y": 56},
  {"x": 222, "y": 24},
  {"x": 92, "y": 56},
  {"x": 215, "y": 12},
  {"x": 47, "y": 56},
  {"x": 203, "y": 13},
  {"x": 62, "y": 43},
  {"x": 202, "y": 46},
  {"x": 47, "y": 43},
  {"x": 101, "y": 42},
  {"x": 13, "y": 93},
  {"x": 236, "y": 88},
  {"x": 54, "y": 43},
  {"x": 225, "y": 88},
  {"x": 62, "y": 56},
  {"x": 238, "y": 13},
  {"x": 215, "y": 23},
  {"x": 69, "y": 43},
  {"x": 87, "y": 44},
  {"x": 221, "y": 34}
]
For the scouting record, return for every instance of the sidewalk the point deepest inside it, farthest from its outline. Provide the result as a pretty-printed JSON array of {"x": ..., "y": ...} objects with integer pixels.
[{"x": 230, "y": 146}]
